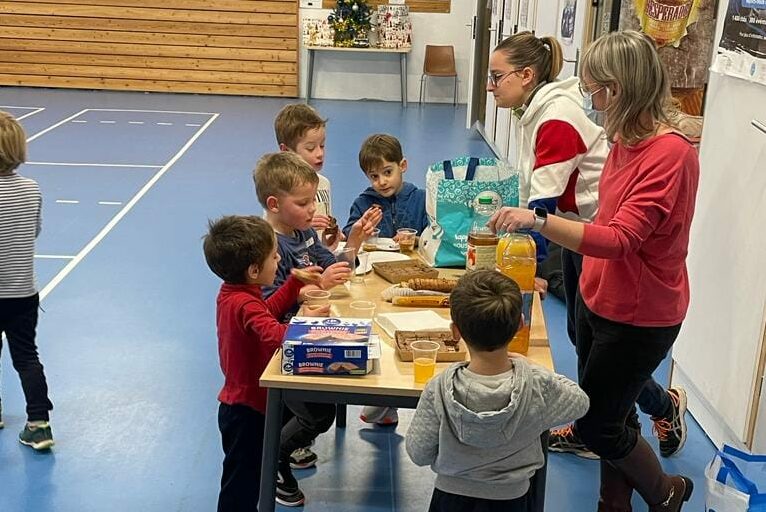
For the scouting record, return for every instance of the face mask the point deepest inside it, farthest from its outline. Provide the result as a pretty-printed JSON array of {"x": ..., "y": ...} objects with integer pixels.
[{"x": 597, "y": 116}]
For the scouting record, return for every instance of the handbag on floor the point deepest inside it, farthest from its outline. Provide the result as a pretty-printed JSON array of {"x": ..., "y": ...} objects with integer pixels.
[
  {"x": 736, "y": 482},
  {"x": 451, "y": 189}
]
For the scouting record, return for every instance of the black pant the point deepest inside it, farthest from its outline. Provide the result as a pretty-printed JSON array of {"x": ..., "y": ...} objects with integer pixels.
[
  {"x": 447, "y": 502},
  {"x": 614, "y": 362},
  {"x": 304, "y": 422},
  {"x": 18, "y": 320},
  {"x": 653, "y": 399},
  {"x": 242, "y": 438}
]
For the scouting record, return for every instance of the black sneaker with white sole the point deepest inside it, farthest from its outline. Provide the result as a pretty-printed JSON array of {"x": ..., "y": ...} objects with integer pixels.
[
  {"x": 303, "y": 458},
  {"x": 567, "y": 440},
  {"x": 670, "y": 430},
  {"x": 288, "y": 493}
]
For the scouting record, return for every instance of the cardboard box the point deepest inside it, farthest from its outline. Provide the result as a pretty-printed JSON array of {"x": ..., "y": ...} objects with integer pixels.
[{"x": 328, "y": 346}]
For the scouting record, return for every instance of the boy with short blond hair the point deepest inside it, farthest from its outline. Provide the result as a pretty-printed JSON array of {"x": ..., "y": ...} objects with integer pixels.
[
  {"x": 242, "y": 251},
  {"x": 402, "y": 203},
  {"x": 301, "y": 130},
  {"x": 501, "y": 403},
  {"x": 20, "y": 222}
]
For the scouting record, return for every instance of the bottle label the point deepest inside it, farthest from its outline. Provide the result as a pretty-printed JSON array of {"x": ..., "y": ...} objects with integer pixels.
[{"x": 480, "y": 257}]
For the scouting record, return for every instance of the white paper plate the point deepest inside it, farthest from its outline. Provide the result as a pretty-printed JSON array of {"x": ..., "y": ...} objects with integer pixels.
[
  {"x": 387, "y": 244},
  {"x": 378, "y": 256}
]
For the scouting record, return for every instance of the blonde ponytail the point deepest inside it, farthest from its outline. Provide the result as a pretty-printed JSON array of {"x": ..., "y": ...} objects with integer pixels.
[{"x": 543, "y": 55}]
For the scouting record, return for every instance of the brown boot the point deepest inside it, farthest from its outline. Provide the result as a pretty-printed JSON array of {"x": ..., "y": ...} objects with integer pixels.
[
  {"x": 643, "y": 471},
  {"x": 615, "y": 490},
  {"x": 679, "y": 493}
]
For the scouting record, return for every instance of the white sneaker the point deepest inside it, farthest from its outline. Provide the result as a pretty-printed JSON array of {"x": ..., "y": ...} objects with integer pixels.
[{"x": 379, "y": 415}]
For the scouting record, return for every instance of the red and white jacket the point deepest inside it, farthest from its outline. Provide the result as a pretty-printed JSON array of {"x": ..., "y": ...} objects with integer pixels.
[{"x": 561, "y": 153}]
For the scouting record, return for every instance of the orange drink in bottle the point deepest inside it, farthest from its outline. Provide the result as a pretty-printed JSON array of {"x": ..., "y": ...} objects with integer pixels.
[{"x": 517, "y": 259}]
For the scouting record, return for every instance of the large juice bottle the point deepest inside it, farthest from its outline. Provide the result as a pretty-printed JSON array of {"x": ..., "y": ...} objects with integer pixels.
[
  {"x": 482, "y": 242},
  {"x": 517, "y": 259}
]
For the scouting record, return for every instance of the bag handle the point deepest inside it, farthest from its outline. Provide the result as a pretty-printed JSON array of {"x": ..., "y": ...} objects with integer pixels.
[
  {"x": 729, "y": 468},
  {"x": 470, "y": 172},
  {"x": 448, "y": 174}
]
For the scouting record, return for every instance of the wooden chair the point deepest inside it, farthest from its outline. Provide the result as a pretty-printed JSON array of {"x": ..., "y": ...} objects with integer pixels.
[{"x": 439, "y": 61}]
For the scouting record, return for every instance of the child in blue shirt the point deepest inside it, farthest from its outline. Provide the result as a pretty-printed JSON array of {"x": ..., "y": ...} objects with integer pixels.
[{"x": 402, "y": 203}]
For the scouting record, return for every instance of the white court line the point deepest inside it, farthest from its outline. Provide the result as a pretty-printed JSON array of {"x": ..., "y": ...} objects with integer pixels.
[
  {"x": 16, "y": 106},
  {"x": 125, "y": 209},
  {"x": 109, "y": 203},
  {"x": 79, "y": 121},
  {"x": 67, "y": 201},
  {"x": 54, "y": 257},
  {"x": 165, "y": 124},
  {"x": 75, "y": 164},
  {"x": 35, "y": 111},
  {"x": 191, "y": 124},
  {"x": 107, "y": 122},
  {"x": 137, "y": 122},
  {"x": 153, "y": 111},
  {"x": 52, "y": 127}
]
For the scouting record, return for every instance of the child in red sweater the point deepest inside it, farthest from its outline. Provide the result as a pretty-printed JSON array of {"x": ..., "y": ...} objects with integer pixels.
[{"x": 243, "y": 252}]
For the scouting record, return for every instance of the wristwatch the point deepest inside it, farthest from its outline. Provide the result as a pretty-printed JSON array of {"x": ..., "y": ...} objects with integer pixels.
[{"x": 541, "y": 217}]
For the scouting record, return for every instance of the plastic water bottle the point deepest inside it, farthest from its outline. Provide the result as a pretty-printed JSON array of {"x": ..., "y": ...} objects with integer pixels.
[
  {"x": 482, "y": 242},
  {"x": 517, "y": 259}
]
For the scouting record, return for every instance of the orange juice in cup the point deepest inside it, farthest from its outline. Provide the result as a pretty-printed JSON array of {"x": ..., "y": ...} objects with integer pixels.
[
  {"x": 406, "y": 237},
  {"x": 424, "y": 360}
]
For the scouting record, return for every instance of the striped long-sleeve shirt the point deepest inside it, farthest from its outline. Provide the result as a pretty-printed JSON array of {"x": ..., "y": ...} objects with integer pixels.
[{"x": 20, "y": 221}]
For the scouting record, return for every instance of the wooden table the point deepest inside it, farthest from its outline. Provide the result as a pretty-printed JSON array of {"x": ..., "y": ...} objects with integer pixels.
[
  {"x": 402, "y": 52},
  {"x": 390, "y": 384}
]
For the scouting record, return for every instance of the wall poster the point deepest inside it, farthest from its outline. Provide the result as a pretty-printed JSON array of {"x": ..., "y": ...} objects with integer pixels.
[{"x": 742, "y": 49}]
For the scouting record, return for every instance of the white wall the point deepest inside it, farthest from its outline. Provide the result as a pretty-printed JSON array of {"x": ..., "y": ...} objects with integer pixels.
[
  {"x": 339, "y": 75},
  {"x": 716, "y": 355}
]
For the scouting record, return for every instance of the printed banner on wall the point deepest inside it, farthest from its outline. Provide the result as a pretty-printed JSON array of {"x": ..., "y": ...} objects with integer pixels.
[{"x": 742, "y": 49}]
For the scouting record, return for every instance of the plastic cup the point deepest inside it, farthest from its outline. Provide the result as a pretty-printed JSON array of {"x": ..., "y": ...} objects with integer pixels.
[
  {"x": 371, "y": 244},
  {"x": 424, "y": 359},
  {"x": 347, "y": 254},
  {"x": 361, "y": 268},
  {"x": 362, "y": 309},
  {"x": 317, "y": 298},
  {"x": 406, "y": 239}
]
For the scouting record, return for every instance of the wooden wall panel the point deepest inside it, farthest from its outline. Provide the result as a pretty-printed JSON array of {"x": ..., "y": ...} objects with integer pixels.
[{"x": 206, "y": 46}]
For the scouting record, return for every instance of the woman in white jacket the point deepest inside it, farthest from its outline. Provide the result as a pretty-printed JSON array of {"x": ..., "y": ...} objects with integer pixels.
[{"x": 560, "y": 153}]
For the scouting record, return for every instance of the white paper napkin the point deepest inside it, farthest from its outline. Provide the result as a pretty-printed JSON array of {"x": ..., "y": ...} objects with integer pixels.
[{"x": 411, "y": 321}]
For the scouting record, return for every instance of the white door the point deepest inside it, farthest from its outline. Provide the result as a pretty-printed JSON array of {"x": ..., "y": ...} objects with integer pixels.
[
  {"x": 495, "y": 34},
  {"x": 474, "y": 59}
]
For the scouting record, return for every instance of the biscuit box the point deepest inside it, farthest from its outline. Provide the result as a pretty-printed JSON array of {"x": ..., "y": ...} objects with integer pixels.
[{"x": 327, "y": 346}]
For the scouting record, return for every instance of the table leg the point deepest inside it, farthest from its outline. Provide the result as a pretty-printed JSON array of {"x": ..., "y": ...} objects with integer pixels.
[
  {"x": 272, "y": 432},
  {"x": 340, "y": 416},
  {"x": 403, "y": 71},
  {"x": 536, "y": 494},
  {"x": 310, "y": 77}
]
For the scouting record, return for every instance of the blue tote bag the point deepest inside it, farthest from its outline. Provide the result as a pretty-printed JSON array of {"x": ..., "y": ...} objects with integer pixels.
[
  {"x": 736, "y": 482},
  {"x": 452, "y": 187}
]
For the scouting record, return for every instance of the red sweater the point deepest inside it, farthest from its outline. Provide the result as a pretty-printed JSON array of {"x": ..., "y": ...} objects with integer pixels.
[
  {"x": 248, "y": 334},
  {"x": 634, "y": 271}
]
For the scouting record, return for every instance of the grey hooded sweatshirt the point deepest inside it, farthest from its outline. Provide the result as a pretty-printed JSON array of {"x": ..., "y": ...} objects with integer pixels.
[{"x": 481, "y": 434}]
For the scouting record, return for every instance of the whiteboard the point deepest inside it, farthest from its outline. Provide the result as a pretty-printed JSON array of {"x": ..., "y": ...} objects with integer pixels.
[{"x": 720, "y": 342}]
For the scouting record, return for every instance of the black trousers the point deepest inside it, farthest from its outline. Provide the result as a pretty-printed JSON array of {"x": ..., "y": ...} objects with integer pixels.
[
  {"x": 615, "y": 361},
  {"x": 18, "y": 320},
  {"x": 304, "y": 421},
  {"x": 447, "y": 502},
  {"x": 653, "y": 399},
  {"x": 242, "y": 438},
  {"x": 242, "y": 431}
]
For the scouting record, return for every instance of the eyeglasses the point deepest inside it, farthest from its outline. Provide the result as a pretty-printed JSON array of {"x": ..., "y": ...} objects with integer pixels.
[
  {"x": 588, "y": 94},
  {"x": 495, "y": 79}
]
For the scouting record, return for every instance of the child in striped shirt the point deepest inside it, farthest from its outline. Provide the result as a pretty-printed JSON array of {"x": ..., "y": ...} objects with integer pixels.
[{"x": 20, "y": 217}]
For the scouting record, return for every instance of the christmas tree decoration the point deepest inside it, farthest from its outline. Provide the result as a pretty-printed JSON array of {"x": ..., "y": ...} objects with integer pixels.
[{"x": 351, "y": 21}]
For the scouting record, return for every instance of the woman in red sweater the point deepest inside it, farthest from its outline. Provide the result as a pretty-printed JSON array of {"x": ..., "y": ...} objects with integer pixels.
[{"x": 634, "y": 289}]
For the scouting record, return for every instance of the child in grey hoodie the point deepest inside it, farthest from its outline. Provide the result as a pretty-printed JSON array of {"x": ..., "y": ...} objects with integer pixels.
[{"x": 478, "y": 424}]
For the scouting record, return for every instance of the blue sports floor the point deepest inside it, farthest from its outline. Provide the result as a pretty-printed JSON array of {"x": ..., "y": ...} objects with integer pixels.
[{"x": 128, "y": 333}]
